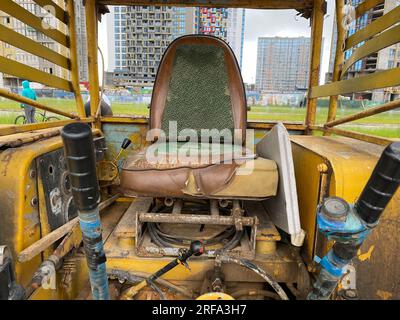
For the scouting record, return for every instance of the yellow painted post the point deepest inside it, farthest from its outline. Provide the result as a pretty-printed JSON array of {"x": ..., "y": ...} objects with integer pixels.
[
  {"x": 339, "y": 57},
  {"x": 91, "y": 32},
  {"x": 317, "y": 22},
  {"x": 74, "y": 58}
]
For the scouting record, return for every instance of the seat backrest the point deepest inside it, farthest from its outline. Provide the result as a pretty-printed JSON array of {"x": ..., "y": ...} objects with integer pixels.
[{"x": 199, "y": 86}]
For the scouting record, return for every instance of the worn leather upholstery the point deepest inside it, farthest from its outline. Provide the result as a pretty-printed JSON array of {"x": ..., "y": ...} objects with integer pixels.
[{"x": 199, "y": 86}]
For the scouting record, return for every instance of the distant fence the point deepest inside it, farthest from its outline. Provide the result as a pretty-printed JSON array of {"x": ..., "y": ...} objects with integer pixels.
[
  {"x": 47, "y": 93},
  {"x": 350, "y": 104},
  {"x": 293, "y": 100}
]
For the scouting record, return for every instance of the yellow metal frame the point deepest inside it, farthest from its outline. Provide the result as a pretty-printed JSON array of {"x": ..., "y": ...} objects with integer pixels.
[
  {"x": 67, "y": 61},
  {"x": 17, "y": 40},
  {"x": 317, "y": 24},
  {"x": 25, "y": 16},
  {"x": 378, "y": 39}
]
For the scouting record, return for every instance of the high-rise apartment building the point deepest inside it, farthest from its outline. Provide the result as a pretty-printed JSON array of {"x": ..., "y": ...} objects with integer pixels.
[
  {"x": 149, "y": 30},
  {"x": 227, "y": 24},
  {"x": 184, "y": 21},
  {"x": 213, "y": 21},
  {"x": 116, "y": 38},
  {"x": 139, "y": 35},
  {"x": 385, "y": 59},
  {"x": 236, "y": 29},
  {"x": 282, "y": 64}
]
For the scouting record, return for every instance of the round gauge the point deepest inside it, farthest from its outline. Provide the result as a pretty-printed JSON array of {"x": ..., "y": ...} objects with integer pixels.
[{"x": 335, "y": 208}]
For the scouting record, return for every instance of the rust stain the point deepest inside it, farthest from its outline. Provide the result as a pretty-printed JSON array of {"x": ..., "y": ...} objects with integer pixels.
[
  {"x": 6, "y": 162},
  {"x": 385, "y": 295},
  {"x": 367, "y": 255}
]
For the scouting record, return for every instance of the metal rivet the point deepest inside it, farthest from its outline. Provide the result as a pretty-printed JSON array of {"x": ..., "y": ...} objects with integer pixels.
[
  {"x": 32, "y": 174},
  {"x": 34, "y": 202}
]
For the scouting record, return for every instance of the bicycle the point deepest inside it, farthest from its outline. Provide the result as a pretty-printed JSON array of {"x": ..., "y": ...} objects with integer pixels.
[{"x": 39, "y": 117}]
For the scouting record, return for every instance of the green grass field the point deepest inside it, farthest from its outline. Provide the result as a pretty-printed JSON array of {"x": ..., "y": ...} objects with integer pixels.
[{"x": 386, "y": 124}]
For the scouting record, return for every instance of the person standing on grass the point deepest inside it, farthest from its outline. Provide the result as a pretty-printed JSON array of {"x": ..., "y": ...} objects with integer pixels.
[{"x": 29, "y": 93}]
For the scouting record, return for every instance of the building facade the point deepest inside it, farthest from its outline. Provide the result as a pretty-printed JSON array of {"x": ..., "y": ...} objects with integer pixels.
[
  {"x": 116, "y": 36},
  {"x": 282, "y": 64},
  {"x": 138, "y": 36},
  {"x": 227, "y": 24}
]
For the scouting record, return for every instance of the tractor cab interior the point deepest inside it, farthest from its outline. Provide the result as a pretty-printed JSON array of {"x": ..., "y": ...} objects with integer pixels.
[{"x": 196, "y": 201}]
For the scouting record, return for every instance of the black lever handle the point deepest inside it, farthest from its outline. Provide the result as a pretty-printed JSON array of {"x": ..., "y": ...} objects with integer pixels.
[
  {"x": 126, "y": 143},
  {"x": 81, "y": 163},
  {"x": 381, "y": 186},
  {"x": 196, "y": 249}
]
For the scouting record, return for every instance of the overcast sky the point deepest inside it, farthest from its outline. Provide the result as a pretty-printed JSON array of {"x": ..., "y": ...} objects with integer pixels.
[{"x": 260, "y": 23}]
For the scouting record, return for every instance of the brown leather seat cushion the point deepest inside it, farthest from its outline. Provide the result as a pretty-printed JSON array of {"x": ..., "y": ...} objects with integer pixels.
[{"x": 170, "y": 178}]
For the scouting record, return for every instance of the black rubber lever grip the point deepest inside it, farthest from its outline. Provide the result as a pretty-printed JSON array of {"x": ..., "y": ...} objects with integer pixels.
[
  {"x": 381, "y": 186},
  {"x": 126, "y": 143},
  {"x": 79, "y": 154}
]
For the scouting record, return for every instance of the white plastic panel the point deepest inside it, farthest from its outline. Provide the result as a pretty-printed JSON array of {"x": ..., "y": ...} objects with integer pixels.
[{"x": 283, "y": 208}]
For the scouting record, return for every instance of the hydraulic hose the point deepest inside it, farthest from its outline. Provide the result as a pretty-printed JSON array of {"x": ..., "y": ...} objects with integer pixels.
[
  {"x": 251, "y": 266},
  {"x": 230, "y": 235},
  {"x": 79, "y": 154},
  {"x": 196, "y": 249},
  {"x": 134, "y": 277}
]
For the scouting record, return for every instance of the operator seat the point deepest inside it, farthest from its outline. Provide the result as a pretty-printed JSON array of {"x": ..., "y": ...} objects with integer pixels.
[{"x": 198, "y": 86}]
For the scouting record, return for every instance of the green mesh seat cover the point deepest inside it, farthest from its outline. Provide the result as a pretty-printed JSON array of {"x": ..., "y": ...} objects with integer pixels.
[{"x": 198, "y": 96}]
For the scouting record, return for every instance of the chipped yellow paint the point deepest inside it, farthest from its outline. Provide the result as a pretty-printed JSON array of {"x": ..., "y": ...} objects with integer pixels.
[
  {"x": 367, "y": 255},
  {"x": 385, "y": 295}
]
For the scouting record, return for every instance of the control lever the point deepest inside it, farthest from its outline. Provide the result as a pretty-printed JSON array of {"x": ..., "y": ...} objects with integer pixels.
[
  {"x": 196, "y": 249},
  {"x": 124, "y": 145},
  {"x": 81, "y": 164},
  {"x": 348, "y": 225}
]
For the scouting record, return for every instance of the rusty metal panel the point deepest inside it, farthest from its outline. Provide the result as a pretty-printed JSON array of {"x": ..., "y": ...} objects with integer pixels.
[{"x": 115, "y": 133}]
